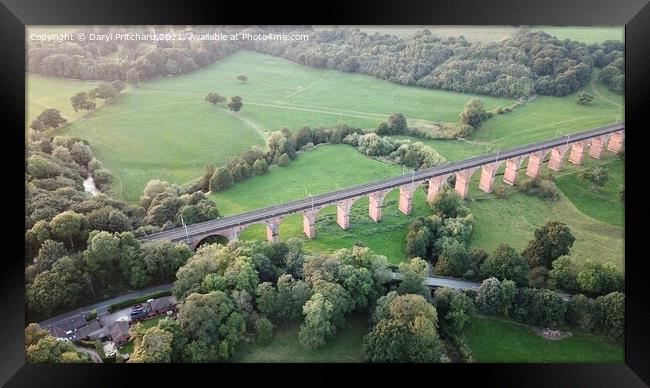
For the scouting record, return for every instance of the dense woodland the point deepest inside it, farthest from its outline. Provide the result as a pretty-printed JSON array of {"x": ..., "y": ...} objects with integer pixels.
[{"x": 524, "y": 64}]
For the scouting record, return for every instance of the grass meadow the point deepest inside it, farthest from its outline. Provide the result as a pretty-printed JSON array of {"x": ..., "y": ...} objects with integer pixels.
[{"x": 496, "y": 340}]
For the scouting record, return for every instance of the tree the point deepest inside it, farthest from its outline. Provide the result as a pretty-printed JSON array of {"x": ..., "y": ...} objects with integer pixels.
[
  {"x": 51, "y": 118},
  {"x": 221, "y": 179},
  {"x": 580, "y": 312},
  {"x": 551, "y": 241},
  {"x": 474, "y": 113},
  {"x": 60, "y": 287},
  {"x": 564, "y": 274},
  {"x": 49, "y": 252},
  {"x": 81, "y": 101},
  {"x": 154, "y": 346},
  {"x": 81, "y": 153},
  {"x": 242, "y": 78},
  {"x": 37, "y": 126},
  {"x": 413, "y": 273},
  {"x": 406, "y": 330},
  {"x": 162, "y": 259},
  {"x": 583, "y": 98},
  {"x": 179, "y": 339},
  {"x": 506, "y": 263},
  {"x": 104, "y": 92},
  {"x": 319, "y": 323},
  {"x": 67, "y": 225},
  {"x": 610, "y": 312},
  {"x": 263, "y": 330},
  {"x": 260, "y": 167},
  {"x": 397, "y": 124},
  {"x": 212, "y": 326},
  {"x": 235, "y": 103},
  {"x": 453, "y": 260},
  {"x": 49, "y": 349},
  {"x": 448, "y": 204},
  {"x": 214, "y": 98},
  {"x": 284, "y": 160},
  {"x": 597, "y": 278},
  {"x": 598, "y": 176},
  {"x": 460, "y": 314},
  {"x": 539, "y": 306},
  {"x": 489, "y": 299}
]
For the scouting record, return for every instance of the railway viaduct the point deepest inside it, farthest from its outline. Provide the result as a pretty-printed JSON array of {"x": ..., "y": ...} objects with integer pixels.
[{"x": 592, "y": 142}]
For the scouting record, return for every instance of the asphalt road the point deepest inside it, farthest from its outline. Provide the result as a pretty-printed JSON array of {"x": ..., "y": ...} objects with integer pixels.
[
  {"x": 180, "y": 234},
  {"x": 102, "y": 307},
  {"x": 431, "y": 282}
]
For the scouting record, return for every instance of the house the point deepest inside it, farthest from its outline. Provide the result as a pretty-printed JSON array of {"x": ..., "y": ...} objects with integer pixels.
[
  {"x": 160, "y": 305},
  {"x": 65, "y": 328},
  {"x": 119, "y": 332},
  {"x": 84, "y": 333}
]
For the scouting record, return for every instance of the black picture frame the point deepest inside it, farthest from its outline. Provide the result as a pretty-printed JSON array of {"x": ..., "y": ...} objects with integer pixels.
[{"x": 16, "y": 14}]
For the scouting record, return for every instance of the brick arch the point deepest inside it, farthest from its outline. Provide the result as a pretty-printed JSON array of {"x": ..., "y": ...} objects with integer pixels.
[{"x": 196, "y": 243}]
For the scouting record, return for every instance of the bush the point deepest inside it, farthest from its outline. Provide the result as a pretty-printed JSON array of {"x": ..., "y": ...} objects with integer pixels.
[
  {"x": 91, "y": 315},
  {"x": 540, "y": 307},
  {"x": 596, "y": 278},
  {"x": 580, "y": 312},
  {"x": 260, "y": 167},
  {"x": 610, "y": 311},
  {"x": 489, "y": 299}
]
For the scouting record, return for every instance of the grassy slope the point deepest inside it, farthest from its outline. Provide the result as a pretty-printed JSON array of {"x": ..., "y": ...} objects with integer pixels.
[
  {"x": 45, "y": 92},
  {"x": 345, "y": 346},
  {"x": 603, "y": 205},
  {"x": 585, "y": 34},
  {"x": 316, "y": 172},
  {"x": 164, "y": 129},
  {"x": 514, "y": 220},
  {"x": 493, "y": 340}
]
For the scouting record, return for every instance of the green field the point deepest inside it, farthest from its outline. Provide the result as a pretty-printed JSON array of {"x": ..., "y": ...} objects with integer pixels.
[
  {"x": 494, "y": 340},
  {"x": 164, "y": 129},
  {"x": 603, "y": 205},
  {"x": 345, "y": 346},
  {"x": 585, "y": 34},
  {"x": 514, "y": 220},
  {"x": 325, "y": 169},
  {"x": 46, "y": 92}
]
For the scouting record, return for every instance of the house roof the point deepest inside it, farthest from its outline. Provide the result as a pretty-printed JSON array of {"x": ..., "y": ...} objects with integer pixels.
[
  {"x": 118, "y": 329},
  {"x": 72, "y": 324},
  {"x": 85, "y": 331},
  {"x": 160, "y": 303}
]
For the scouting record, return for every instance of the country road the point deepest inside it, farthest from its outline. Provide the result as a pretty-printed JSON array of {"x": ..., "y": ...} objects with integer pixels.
[
  {"x": 103, "y": 306},
  {"x": 430, "y": 281}
]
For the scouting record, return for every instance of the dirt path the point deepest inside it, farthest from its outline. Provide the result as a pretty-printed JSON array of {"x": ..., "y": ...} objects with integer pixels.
[{"x": 592, "y": 83}]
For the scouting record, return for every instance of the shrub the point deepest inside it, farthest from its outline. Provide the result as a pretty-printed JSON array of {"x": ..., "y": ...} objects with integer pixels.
[
  {"x": 610, "y": 310},
  {"x": 580, "y": 312},
  {"x": 91, "y": 315},
  {"x": 541, "y": 307}
]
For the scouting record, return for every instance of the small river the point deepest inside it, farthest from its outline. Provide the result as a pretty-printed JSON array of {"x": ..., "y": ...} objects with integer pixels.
[{"x": 89, "y": 186}]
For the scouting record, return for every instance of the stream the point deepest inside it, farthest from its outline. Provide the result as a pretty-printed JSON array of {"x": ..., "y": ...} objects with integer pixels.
[{"x": 89, "y": 186}]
